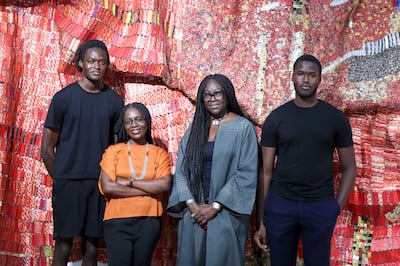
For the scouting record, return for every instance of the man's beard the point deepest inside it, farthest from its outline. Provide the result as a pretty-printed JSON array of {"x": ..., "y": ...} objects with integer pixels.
[{"x": 305, "y": 96}]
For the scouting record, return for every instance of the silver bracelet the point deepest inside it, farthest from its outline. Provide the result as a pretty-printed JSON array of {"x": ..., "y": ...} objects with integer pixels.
[{"x": 189, "y": 201}]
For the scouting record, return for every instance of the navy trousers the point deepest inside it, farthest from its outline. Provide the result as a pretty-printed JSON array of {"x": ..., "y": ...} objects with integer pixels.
[{"x": 287, "y": 220}]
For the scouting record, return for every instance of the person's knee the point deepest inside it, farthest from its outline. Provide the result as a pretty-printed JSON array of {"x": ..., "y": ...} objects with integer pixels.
[
  {"x": 63, "y": 246},
  {"x": 89, "y": 251},
  {"x": 62, "y": 251}
]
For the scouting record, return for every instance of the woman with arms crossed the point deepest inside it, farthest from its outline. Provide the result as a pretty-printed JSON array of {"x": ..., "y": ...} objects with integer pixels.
[{"x": 134, "y": 176}]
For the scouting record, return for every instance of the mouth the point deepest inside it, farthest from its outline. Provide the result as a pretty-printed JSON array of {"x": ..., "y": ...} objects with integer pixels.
[
  {"x": 135, "y": 131},
  {"x": 306, "y": 87}
]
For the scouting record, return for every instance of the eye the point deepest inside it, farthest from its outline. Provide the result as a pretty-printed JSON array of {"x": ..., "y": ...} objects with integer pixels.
[
  {"x": 219, "y": 93},
  {"x": 139, "y": 119},
  {"x": 207, "y": 96},
  {"x": 128, "y": 122}
]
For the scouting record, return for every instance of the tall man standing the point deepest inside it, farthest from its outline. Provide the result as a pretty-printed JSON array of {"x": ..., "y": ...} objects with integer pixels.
[
  {"x": 296, "y": 195},
  {"x": 80, "y": 124}
]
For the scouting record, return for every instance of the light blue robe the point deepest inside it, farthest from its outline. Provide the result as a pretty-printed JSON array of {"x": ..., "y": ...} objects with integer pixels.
[{"x": 233, "y": 183}]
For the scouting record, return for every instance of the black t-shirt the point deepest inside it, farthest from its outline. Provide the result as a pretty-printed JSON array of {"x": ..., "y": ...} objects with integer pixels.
[
  {"x": 305, "y": 139},
  {"x": 86, "y": 123}
]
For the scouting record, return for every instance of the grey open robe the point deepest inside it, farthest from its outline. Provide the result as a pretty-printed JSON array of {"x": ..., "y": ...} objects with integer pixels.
[{"x": 233, "y": 184}]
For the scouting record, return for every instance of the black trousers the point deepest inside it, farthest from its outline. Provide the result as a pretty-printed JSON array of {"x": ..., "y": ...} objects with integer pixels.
[{"x": 131, "y": 241}]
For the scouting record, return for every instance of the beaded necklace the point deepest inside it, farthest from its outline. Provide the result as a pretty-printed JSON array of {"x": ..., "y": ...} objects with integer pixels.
[{"x": 145, "y": 164}]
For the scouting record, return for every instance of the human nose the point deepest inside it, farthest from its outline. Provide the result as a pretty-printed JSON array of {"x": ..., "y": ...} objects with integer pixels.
[
  {"x": 96, "y": 65},
  {"x": 212, "y": 96},
  {"x": 134, "y": 123},
  {"x": 130, "y": 123}
]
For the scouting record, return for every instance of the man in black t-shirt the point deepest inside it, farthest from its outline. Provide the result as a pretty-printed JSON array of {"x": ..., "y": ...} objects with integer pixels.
[
  {"x": 80, "y": 125},
  {"x": 296, "y": 194}
]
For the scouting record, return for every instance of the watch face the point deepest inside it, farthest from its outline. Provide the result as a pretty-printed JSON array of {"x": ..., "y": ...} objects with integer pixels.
[{"x": 216, "y": 206}]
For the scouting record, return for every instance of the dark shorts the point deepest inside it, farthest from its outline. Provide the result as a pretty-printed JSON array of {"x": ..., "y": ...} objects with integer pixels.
[{"x": 78, "y": 209}]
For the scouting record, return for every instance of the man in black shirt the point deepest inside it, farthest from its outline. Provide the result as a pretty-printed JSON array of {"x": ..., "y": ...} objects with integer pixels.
[
  {"x": 80, "y": 124},
  {"x": 296, "y": 195}
]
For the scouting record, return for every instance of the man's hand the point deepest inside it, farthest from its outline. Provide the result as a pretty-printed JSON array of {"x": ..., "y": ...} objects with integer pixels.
[{"x": 260, "y": 237}]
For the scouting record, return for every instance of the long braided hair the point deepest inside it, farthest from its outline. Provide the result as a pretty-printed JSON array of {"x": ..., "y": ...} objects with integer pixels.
[{"x": 194, "y": 154}]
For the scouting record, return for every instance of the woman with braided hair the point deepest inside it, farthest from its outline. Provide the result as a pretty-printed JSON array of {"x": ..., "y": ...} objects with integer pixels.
[{"x": 215, "y": 182}]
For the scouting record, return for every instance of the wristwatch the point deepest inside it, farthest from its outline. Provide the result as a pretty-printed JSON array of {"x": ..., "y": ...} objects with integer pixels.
[{"x": 216, "y": 206}]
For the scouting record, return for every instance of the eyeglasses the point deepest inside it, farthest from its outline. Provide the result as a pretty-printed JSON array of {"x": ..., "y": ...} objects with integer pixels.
[
  {"x": 218, "y": 95},
  {"x": 139, "y": 120}
]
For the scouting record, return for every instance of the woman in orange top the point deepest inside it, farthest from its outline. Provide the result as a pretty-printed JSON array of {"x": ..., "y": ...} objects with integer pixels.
[{"x": 134, "y": 176}]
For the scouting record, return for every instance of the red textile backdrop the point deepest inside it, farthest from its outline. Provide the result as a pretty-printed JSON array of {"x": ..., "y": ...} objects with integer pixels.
[{"x": 160, "y": 52}]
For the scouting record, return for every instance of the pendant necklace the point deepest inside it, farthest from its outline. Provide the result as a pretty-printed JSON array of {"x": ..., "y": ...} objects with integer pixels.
[
  {"x": 145, "y": 164},
  {"x": 217, "y": 121}
]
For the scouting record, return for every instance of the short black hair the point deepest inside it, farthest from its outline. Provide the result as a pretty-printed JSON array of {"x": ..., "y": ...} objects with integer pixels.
[
  {"x": 309, "y": 58},
  {"x": 80, "y": 52}
]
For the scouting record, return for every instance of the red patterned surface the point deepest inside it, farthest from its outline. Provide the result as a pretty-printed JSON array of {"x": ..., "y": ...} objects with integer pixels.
[{"x": 160, "y": 52}]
